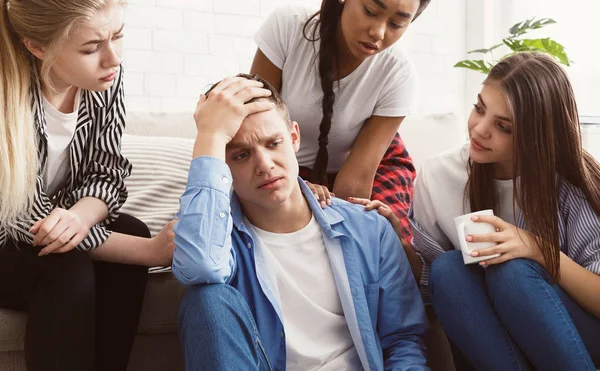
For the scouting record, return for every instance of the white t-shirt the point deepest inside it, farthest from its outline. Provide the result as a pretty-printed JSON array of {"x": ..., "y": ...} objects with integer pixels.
[
  {"x": 439, "y": 196},
  {"x": 383, "y": 85},
  {"x": 317, "y": 334},
  {"x": 60, "y": 128}
]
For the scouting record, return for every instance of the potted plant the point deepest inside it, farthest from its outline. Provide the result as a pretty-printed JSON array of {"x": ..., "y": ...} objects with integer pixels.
[{"x": 517, "y": 43}]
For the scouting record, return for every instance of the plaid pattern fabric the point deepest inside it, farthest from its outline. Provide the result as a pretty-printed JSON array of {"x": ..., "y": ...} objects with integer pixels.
[{"x": 393, "y": 184}]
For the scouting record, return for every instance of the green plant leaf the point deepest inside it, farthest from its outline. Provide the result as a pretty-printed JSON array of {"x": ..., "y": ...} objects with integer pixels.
[
  {"x": 517, "y": 45},
  {"x": 549, "y": 47},
  {"x": 475, "y": 65},
  {"x": 528, "y": 25},
  {"x": 541, "y": 23},
  {"x": 484, "y": 51}
]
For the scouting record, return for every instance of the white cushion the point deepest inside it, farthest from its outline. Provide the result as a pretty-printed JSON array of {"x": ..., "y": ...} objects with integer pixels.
[
  {"x": 158, "y": 179},
  {"x": 178, "y": 124},
  {"x": 427, "y": 136}
]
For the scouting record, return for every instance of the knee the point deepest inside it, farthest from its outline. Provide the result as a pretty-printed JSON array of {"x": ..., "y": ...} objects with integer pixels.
[
  {"x": 205, "y": 306},
  {"x": 445, "y": 271},
  {"x": 514, "y": 278},
  {"x": 71, "y": 272}
]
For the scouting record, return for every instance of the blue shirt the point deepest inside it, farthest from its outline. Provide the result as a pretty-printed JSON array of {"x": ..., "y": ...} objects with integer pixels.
[{"x": 381, "y": 301}]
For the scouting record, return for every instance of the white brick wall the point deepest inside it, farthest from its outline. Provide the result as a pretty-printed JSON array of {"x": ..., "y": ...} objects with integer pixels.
[{"x": 175, "y": 48}]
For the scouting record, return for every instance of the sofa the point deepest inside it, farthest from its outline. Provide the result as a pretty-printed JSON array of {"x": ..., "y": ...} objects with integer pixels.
[{"x": 160, "y": 146}]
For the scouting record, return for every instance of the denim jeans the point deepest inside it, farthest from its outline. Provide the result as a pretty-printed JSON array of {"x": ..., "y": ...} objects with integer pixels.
[
  {"x": 510, "y": 317},
  {"x": 218, "y": 332}
]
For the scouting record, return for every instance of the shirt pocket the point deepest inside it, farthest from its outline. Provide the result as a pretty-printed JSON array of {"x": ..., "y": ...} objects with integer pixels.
[{"x": 372, "y": 295}]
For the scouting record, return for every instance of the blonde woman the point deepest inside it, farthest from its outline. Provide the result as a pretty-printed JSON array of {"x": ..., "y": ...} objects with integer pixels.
[{"x": 61, "y": 186}]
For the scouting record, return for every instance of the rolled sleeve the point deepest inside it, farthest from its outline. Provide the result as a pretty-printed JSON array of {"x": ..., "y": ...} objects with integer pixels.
[{"x": 203, "y": 249}]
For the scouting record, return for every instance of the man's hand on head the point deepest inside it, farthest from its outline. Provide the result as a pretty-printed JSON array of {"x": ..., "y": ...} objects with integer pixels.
[{"x": 222, "y": 111}]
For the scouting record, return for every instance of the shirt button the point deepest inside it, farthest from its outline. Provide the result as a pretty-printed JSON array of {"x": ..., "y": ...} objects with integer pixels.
[
  {"x": 222, "y": 215},
  {"x": 282, "y": 334},
  {"x": 225, "y": 180},
  {"x": 249, "y": 245}
]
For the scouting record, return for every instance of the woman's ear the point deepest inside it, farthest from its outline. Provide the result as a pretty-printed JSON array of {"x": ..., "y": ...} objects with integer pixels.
[{"x": 35, "y": 48}]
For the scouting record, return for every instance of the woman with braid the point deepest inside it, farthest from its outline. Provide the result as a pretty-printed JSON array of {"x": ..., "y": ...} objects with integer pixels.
[{"x": 349, "y": 88}]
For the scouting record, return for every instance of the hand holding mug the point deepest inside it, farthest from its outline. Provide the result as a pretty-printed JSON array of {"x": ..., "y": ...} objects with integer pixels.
[
  {"x": 510, "y": 242},
  {"x": 466, "y": 227}
]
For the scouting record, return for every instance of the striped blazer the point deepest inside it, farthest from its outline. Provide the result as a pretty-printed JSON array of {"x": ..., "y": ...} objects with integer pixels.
[{"x": 97, "y": 167}]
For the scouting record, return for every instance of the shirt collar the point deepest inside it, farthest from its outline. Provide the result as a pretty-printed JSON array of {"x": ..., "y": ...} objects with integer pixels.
[
  {"x": 327, "y": 218},
  {"x": 97, "y": 97}
]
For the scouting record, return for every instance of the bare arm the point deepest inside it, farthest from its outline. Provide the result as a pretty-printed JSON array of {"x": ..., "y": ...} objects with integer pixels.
[
  {"x": 262, "y": 66},
  {"x": 355, "y": 178},
  {"x": 90, "y": 211}
]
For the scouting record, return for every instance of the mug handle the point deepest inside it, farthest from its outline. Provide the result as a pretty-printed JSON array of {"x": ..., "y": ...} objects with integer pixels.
[{"x": 462, "y": 238}]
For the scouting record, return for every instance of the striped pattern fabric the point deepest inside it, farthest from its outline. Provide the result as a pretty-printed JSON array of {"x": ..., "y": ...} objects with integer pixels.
[
  {"x": 97, "y": 167},
  {"x": 579, "y": 234},
  {"x": 159, "y": 177}
]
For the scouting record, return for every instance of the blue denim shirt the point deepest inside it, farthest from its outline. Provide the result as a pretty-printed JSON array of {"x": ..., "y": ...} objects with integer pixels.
[{"x": 379, "y": 296}]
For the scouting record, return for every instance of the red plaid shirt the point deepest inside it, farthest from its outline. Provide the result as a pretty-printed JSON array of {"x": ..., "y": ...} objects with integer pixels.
[{"x": 393, "y": 183}]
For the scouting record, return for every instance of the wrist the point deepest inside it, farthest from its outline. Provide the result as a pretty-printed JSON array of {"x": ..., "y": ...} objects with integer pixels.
[
  {"x": 211, "y": 144},
  {"x": 85, "y": 219}
]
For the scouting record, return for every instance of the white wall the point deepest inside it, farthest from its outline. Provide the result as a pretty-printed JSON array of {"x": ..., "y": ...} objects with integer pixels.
[
  {"x": 175, "y": 48},
  {"x": 577, "y": 30}
]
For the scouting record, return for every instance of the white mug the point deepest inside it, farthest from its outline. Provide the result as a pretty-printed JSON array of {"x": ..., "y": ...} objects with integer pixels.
[{"x": 465, "y": 226}]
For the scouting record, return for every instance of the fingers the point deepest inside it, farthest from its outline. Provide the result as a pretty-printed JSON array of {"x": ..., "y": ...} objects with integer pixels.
[
  {"x": 36, "y": 226},
  {"x": 500, "y": 259},
  {"x": 487, "y": 237},
  {"x": 201, "y": 100},
  {"x": 376, "y": 204},
  {"x": 371, "y": 204},
  {"x": 498, "y": 249},
  {"x": 225, "y": 84},
  {"x": 58, "y": 229},
  {"x": 321, "y": 193},
  {"x": 170, "y": 231},
  {"x": 239, "y": 89},
  {"x": 46, "y": 226},
  {"x": 491, "y": 219},
  {"x": 250, "y": 93},
  {"x": 76, "y": 240},
  {"x": 256, "y": 107},
  {"x": 242, "y": 85},
  {"x": 60, "y": 241},
  {"x": 359, "y": 201}
]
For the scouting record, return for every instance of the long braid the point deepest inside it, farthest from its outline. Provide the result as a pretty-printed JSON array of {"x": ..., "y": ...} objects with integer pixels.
[{"x": 327, "y": 23}]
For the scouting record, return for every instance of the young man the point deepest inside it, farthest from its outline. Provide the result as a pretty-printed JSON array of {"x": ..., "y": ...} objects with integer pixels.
[{"x": 277, "y": 282}]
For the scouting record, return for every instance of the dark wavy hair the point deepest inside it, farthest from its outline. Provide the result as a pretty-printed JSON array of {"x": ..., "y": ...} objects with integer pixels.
[{"x": 326, "y": 22}]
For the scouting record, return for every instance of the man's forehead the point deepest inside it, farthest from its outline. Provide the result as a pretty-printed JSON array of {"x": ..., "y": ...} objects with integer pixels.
[{"x": 256, "y": 130}]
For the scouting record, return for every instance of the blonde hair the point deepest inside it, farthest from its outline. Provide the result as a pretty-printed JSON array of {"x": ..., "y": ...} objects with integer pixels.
[{"x": 48, "y": 23}]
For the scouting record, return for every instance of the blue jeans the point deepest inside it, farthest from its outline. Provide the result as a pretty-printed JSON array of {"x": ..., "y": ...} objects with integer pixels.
[
  {"x": 217, "y": 331},
  {"x": 510, "y": 317}
]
